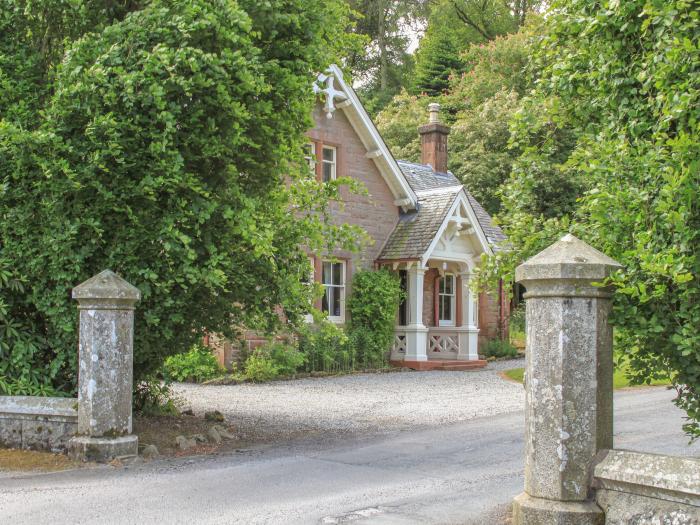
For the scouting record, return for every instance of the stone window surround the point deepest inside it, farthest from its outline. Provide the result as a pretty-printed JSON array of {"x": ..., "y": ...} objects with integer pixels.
[{"x": 318, "y": 147}]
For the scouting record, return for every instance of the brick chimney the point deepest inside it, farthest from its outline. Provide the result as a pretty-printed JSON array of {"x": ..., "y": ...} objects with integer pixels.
[{"x": 433, "y": 140}]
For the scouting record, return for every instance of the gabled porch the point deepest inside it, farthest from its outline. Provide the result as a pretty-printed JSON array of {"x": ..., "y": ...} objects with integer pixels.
[
  {"x": 438, "y": 321},
  {"x": 439, "y": 246}
]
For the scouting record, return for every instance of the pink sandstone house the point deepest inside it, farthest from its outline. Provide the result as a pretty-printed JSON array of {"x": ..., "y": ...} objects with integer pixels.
[{"x": 424, "y": 223}]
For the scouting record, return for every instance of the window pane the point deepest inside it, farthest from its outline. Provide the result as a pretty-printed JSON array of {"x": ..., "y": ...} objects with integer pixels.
[
  {"x": 449, "y": 280},
  {"x": 325, "y": 301},
  {"x": 328, "y": 171},
  {"x": 329, "y": 154},
  {"x": 442, "y": 285},
  {"x": 335, "y": 296},
  {"x": 326, "y": 277},
  {"x": 403, "y": 307},
  {"x": 447, "y": 308},
  {"x": 338, "y": 274}
]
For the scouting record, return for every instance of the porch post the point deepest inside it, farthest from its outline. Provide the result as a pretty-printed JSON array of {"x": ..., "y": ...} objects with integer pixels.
[
  {"x": 416, "y": 332},
  {"x": 468, "y": 332}
]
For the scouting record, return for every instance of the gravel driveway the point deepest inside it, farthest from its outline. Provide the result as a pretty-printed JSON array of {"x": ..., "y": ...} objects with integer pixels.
[{"x": 360, "y": 403}]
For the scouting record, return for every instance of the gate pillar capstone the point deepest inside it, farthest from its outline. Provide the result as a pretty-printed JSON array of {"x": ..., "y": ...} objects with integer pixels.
[
  {"x": 568, "y": 382},
  {"x": 105, "y": 374}
]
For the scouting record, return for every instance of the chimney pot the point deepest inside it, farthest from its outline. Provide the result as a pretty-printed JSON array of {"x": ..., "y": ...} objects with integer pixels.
[{"x": 434, "y": 109}]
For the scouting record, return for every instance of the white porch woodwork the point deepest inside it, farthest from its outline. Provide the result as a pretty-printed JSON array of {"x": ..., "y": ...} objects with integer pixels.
[
  {"x": 417, "y": 342},
  {"x": 470, "y": 321},
  {"x": 415, "y": 333}
]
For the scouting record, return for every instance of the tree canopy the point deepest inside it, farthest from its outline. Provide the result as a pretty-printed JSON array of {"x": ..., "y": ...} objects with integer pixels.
[
  {"x": 610, "y": 145},
  {"x": 157, "y": 145}
]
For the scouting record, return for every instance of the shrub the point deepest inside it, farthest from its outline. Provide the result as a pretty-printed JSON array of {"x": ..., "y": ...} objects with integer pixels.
[
  {"x": 260, "y": 367},
  {"x": 197, "y": 365},
  {"x": 153, "y": 397},
  {"x": 516, "y": 326},
  {"x": 326, "y": 348},
  {"x": 272, "y": 360},
  {"x": 373, "y": 305},
  {"x": 498, "y": 348},
  {"x": 287, "y": 358}
]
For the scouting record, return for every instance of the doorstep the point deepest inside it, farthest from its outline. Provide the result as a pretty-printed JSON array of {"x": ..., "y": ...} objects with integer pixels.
[{"x": 442, "y": 364}]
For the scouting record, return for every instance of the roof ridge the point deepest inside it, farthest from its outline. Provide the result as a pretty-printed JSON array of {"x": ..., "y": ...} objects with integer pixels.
[{"x": 441, "y": 189}]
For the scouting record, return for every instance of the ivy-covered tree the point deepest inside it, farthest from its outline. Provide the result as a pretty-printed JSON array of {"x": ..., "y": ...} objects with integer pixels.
[
  {"x": 615, "y": 114},
  {"x": 161, "y": 151}
]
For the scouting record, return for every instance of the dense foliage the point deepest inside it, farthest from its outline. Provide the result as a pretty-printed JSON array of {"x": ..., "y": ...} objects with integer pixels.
[
  {"x": 437, "y": 60},
  {"x": 373, "y": 304},
  {"x": 157, "y": 145},
  {"x": 196, "y": 365},
  {"x": 499, "y": 349},
  {"x": 479, "y": 105},
  {"x": 273, "y": 360},
  {"x": 326, "y": 348},
  {"x": 610, "y": 144}
]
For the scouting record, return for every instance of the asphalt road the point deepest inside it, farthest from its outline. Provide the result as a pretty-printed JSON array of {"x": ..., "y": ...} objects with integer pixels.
[{"x": 459, "y": 473}]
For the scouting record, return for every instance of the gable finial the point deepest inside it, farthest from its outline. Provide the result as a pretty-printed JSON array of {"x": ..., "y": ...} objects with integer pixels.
[{"x": 325, "y": 85}]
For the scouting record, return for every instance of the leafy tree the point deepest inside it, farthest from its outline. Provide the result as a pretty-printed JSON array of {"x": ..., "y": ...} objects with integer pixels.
[
  {"x": 398, "y": 123},
  {"x": 33, "y": 36},
  {"x": 383, "y": 65},
  {"x": 491, "y": 67},
  {"x": 479, "y": 106},
  {"x": 491, "y": 18},
  {"x": 161, "y": 151},
  {"x": 615, "y": 114},
  {"x": 480, "y": 155}
]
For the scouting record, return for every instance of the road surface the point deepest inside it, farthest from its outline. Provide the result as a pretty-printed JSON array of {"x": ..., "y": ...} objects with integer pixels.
[{"x": 458, "y": 473}]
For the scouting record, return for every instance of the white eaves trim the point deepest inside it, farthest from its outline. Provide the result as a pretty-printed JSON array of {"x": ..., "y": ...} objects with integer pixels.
[
  {"x": 461, "y": 198},
  {"x": 373, "y": 142}
]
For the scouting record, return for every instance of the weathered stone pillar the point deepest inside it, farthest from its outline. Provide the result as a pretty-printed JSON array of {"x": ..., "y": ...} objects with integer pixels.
[
  {"x": 105, "y": 376},
  {"x": 568, "y": 382}
]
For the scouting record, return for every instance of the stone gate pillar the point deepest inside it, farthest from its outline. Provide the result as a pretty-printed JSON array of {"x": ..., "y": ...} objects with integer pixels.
[
  {"x": 568, "y": 382},
  {"x": 105, "y": 374}
]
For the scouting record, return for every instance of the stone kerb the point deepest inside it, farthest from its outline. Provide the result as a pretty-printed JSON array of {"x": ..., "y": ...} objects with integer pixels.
[
  {"x": 105, "y": 377},
  {"x": 568, "y": 381}
]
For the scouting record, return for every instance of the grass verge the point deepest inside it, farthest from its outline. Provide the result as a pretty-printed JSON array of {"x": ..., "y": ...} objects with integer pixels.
[{"x": 619, "y": 378}]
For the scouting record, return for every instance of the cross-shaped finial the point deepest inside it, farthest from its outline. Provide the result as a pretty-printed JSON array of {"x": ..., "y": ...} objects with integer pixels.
[{"x": 328, "y": 89}]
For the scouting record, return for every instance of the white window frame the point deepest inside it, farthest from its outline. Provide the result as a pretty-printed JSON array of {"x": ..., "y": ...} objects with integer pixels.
[
  {"x": 338, "y": 288},
  {"x": 310, "y": 147},
  {"x": 333, "y": 163},
  {"x": 309, "y": 318},
  {"x": 452, "y": 298}
]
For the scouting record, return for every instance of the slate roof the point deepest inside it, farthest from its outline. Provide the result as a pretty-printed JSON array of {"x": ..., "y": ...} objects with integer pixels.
[
  {"x": 436, "y": 193},
  {"x": 494, "y": 234},
  {"x": 421, "y": 177}
]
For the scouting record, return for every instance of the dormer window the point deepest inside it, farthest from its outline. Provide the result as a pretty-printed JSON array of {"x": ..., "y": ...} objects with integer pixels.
[{"x": 329, "y": 164}]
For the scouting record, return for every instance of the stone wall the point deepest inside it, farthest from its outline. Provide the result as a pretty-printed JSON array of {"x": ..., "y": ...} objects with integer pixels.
[
  {"x": 376, "y": 213},
  {"x": 37, "y": 423},
  {"x": 636, "y": 488}
]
